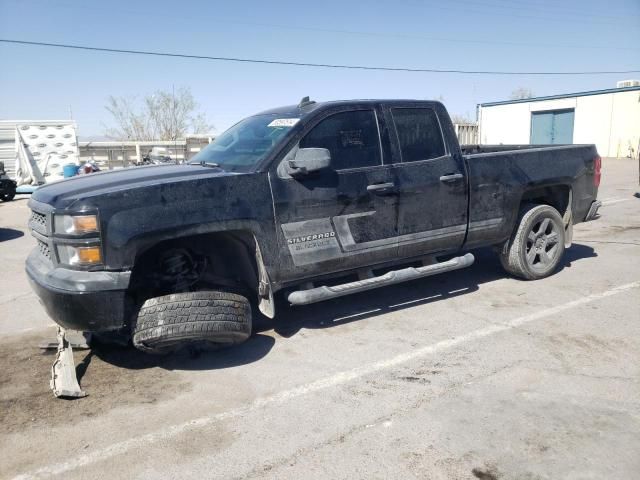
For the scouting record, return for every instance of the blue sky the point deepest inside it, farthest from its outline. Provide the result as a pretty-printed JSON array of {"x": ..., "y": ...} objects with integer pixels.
[{"x": 515, "y": 35}]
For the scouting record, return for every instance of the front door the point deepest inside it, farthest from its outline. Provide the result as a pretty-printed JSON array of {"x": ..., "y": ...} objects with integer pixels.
[
  {"x": 342, "y": 217},
  {"x": 432, "y": 194}
]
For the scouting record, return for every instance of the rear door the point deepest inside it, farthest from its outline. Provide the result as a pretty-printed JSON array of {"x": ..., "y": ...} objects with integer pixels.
[
  {"x": 432, "y": 213},
  {"x": 346, "y": 216}
]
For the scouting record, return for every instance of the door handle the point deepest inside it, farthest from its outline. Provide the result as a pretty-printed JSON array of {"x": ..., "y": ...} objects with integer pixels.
[
  {"x": 451, "y": 177},
  {"x": 382, "y": 188}
]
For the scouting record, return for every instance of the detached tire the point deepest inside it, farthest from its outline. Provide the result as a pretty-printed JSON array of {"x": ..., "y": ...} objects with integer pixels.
[
  {"x": 171, "y": 322},
  {"x": 536, "y": 247}
]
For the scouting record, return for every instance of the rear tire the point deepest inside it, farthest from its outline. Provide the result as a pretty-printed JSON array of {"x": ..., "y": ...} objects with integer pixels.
[
  {"x": 536, "y": 247},
  {"x": 194, "y": 319},
  {"x": 7, "y": 197}
]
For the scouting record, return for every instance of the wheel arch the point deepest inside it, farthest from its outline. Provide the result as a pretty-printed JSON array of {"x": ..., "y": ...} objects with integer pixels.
[
  {"x": 557, "y": 196},
  {"x": 232, "y": 257}
]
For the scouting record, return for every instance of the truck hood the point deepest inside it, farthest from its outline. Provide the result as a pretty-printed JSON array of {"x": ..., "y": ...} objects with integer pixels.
[{"x": 64, "y": 193}]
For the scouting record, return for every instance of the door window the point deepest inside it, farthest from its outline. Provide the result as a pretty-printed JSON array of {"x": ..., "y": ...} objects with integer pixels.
[
  {"x": 351, "y": 137},
  {"x": 419, "y": 133}
]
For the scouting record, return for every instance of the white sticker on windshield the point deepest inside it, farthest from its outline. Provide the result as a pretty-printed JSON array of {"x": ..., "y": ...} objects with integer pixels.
[{"x": 284, "y": 122}]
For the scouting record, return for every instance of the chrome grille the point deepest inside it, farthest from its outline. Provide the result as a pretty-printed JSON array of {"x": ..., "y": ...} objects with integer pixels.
[
  {"x": 38, "y": 222},
  {"x": 44, "y": 249}
]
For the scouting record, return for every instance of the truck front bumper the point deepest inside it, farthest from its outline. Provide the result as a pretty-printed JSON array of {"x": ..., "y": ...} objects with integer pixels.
[{"x": 80, "y": 300}]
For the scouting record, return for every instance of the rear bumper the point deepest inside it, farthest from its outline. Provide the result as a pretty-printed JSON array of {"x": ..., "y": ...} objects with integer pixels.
[
  {"x": 592, "y": 214},
  {"x": 78, "y": 300}
]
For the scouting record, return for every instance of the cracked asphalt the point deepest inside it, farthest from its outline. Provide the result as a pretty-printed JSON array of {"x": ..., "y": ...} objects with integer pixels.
[{"x": 466, "y": 375}]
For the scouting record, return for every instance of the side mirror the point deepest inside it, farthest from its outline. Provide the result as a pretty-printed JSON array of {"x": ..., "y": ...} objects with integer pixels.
[{"x": 308, "y": 160}]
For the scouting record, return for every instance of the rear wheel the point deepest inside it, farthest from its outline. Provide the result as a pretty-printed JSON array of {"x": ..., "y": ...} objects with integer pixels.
[
  {"x": 193, "y": 319},
  {"x": 536, "y": 247}
]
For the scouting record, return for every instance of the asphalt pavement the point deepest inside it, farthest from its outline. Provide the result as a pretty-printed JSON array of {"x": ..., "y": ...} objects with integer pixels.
[{"x": 470, "y": 374}]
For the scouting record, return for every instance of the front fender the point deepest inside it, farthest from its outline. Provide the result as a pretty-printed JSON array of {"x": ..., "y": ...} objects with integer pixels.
[{"x": 125, "y": 253}]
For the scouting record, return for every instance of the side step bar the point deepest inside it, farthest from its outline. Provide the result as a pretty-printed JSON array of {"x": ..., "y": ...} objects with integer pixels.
[{"x": 318, "y": 294}]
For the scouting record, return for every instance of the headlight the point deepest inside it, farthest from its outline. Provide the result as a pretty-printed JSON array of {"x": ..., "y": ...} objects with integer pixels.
[
  {"x": 80, "y": 256},
  {"x": 76, "y": 224}
]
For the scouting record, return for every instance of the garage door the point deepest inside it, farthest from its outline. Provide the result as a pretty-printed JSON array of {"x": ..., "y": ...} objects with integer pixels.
[{"x": 552, "y": 127}]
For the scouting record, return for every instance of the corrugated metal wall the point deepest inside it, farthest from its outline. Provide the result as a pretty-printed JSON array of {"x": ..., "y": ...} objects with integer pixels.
[
  {"x": 8, "y": 148},
  {"x": 467, "y": 133}
]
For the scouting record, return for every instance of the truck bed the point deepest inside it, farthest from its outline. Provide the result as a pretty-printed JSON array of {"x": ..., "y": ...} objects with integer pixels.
[{"x": 499, "y": 176}]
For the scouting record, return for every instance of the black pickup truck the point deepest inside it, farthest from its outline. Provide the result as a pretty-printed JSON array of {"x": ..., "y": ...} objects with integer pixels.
[{"x": 315, "y": 200}]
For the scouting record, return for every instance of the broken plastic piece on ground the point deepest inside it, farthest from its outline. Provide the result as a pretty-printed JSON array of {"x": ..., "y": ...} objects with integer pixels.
[
  {"x": 64, "y": 381},
  {"x": 78, "y": 340}
]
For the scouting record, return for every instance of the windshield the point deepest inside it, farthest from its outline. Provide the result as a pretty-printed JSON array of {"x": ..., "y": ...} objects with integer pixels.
[{"x": 240, "y": 148}]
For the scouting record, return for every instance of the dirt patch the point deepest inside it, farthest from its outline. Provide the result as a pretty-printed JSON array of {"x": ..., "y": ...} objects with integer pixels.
[
  {"x": 488, "y": 472},
  {"x": 617, "y": 229},
  {"x": 412, "y": 379},
  {"x": 27, "y": 402}
]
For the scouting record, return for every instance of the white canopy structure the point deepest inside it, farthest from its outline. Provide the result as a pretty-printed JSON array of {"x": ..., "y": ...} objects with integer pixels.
[{"x": 35, "y": 151}]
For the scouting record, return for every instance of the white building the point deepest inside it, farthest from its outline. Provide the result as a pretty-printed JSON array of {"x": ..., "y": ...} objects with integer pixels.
[{"x": 609, "y": 118}]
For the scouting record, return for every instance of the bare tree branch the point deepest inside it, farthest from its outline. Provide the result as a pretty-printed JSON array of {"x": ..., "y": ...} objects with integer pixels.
[
  {"x": 521, "y": 93},
  {"x": 161, "y": 116}
]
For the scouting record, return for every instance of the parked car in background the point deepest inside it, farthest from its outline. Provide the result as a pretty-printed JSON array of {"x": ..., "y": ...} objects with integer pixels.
[
  {"x": 157, "y": 156},
  {"x": 7, "y": 186}
]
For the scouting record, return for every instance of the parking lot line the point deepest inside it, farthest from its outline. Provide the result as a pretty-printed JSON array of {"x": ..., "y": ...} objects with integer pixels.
[
  {"x": 612, "y": 201},
  {"x": 334, "y": 380}
]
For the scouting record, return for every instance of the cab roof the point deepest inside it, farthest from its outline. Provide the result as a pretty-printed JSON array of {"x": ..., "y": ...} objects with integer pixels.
[{"x": 303, "y": 109}]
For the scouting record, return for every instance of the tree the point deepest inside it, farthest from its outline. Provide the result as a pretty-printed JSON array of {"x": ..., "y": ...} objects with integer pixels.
[
  {"x": 161, "y": 116},
  {"x": 521, "y": 93}
]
